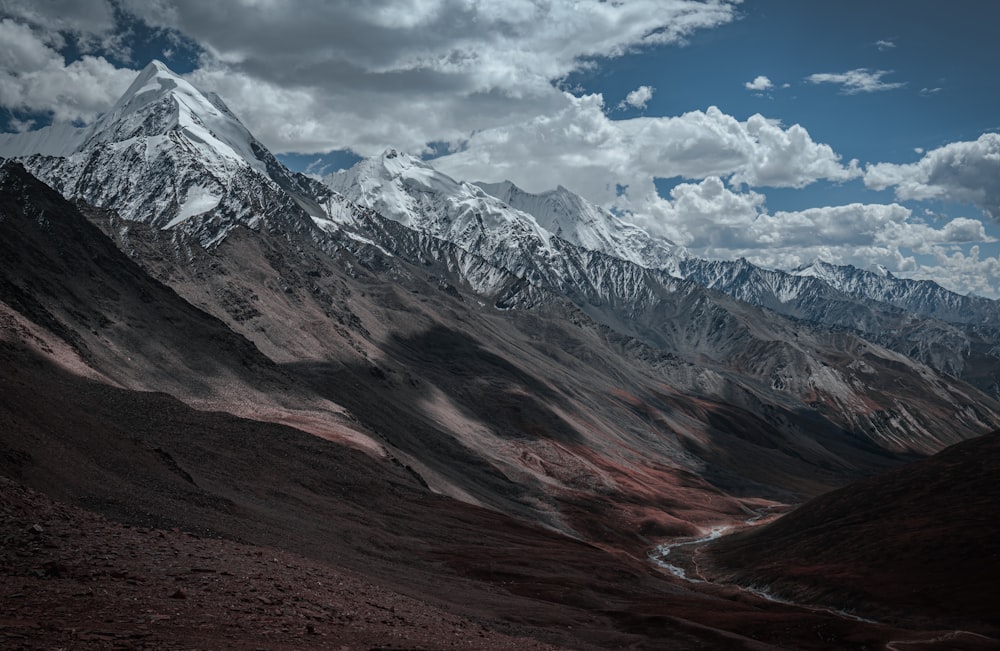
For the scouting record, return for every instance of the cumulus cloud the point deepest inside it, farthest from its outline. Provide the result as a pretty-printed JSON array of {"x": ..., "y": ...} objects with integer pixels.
[
  {"x": 80, "y": 17},
  {"x": 712, "y": 221},
  {"x": 91, "y": 23},
  {"x": 967, "y": 172},
  {"x": 639, "y": 97},
  {"x": 580, "y": 147},
  {"x": 408, "y": 73},
  {"x": 35, "y": 78},
  {"x": 759, "y": 84},
  {"x": 709, "y": 218},
  {"x": 884, "y": 45},
  {"x": 860, "y": 80},
  {"x": 963, "y": 271}
]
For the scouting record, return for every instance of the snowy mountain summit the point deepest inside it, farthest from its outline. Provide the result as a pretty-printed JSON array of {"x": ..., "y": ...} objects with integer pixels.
[
  {"x": 587, "y": 225},
  {"x": 160, "y": 103},
  {"x": 408, "y": 190},
  {"x": 168, "y": 155},
  {"x": 481, "y": 217}
]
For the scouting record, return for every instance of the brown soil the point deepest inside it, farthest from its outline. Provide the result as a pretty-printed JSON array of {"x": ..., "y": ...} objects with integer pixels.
[
  {"x": 73, "y": 579},
  {"x": 919, "y": 545}
]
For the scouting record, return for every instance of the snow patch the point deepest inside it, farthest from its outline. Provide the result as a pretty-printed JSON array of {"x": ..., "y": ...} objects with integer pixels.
[{"x": 199, "y": 200}]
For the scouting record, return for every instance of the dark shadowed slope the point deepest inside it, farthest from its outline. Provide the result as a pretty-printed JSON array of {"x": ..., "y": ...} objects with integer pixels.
[
  {"x": 919, "y": 543},
  {"x": 78, "y": 343},
  {"x": 68, "y": 292}
]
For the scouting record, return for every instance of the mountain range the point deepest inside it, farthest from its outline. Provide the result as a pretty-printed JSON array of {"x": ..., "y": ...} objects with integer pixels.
[{"x": 387, "y": 354}]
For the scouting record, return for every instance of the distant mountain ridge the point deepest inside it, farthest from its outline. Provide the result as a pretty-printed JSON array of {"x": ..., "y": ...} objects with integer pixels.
[
  {"x": 178, "y": 160},
  {"x": 923, "y": 297},
  {"x": 584, "y": 224}
]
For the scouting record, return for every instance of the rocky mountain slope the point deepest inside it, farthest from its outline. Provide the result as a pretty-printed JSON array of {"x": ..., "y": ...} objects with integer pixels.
[
  {"x": 326, "y": 505},
  {"x": 670, "y": 314},
  {"x": 956, "y": 335},
  {"x": 272, "y": 249}
]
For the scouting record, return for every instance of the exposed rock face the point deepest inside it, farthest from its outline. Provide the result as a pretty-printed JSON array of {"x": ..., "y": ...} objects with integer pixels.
[
  {"x": 179, "y": 177},
  {"x": 953, "y": 334}
]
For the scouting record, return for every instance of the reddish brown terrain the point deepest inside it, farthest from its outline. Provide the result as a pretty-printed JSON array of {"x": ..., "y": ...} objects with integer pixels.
[
  {"x": 73, "y": 579},
  {"x": 161, "y": 468}
]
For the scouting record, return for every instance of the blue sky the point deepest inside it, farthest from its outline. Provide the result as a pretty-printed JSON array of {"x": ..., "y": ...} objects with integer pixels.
[{"x": 779, "y": 130}]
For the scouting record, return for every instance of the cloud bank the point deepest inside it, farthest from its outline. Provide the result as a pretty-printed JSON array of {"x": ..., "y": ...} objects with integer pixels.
[
  {"x": 369, "y": 75},
  {"x": 580, "y": 147},
  {"x": 967, "y": 172},
  {"x": 35, "y": 78}
]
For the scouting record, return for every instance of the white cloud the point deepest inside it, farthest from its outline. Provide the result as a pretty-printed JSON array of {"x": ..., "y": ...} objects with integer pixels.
[
  {"x": 404, "y": 74},
  {"x": 580, "y": 147},
  {"x": 884, "y": 45},
  {"x": 35, "y": 78},
  {"x": 704, "y": 217},
  {"x": 930, "y": 91},
  {"x": 964, "y": 272},
  {"x": 92, "y": 23},
  {"x": 714, "y": 222},
  {"x": 639, "y": 97},
  {"x": 967, "y": 172},
  {"x": 81, "y": 17},
  {"x": 861, "y": 80},
  {"x": 759, "y": 84}
]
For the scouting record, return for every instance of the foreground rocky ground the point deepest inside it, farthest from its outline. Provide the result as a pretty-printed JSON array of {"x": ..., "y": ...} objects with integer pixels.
[{"x": 72, "y": 579}]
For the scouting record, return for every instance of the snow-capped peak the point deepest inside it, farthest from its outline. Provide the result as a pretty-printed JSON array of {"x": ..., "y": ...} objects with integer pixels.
[
  {"x": 160, "y": 101},
  {"x": 409, "y": 190},
  {"x": 881, "y": 270},
  {"x": 816, "y": 269},
  {"x": 585, "y": 224},
  {"x": 838, "y": 275},
  {"x": 167, "y": 152}
]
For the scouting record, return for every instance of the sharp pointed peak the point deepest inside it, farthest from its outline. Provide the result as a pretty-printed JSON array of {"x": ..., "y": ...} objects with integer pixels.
[
  {"x": 880, "y": 270},
  {"x": 155, "y": 69},
  {"x": 153, "y": 82},
  {"x": 159, "y": 101},
  {"x": 158, "y": 66}
]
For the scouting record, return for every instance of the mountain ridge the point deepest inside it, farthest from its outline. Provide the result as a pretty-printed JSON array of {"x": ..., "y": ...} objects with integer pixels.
[{"x": 504, "y": 255}]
